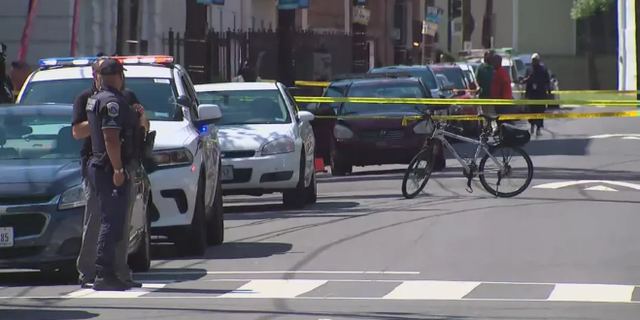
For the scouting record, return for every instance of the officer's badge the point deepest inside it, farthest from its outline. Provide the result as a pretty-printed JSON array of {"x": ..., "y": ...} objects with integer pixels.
[{"x": 113, "y": 109}]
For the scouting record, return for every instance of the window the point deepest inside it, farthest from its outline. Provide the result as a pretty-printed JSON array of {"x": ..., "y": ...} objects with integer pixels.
[
  {"x": 244, "y": 107},
  {"x": 454, "y": 75},
  {"x": 38, "y": 136},
  {"x": 188, "y": 87},
  {"x": 385, "y": 90},
  {"x": 333, "y": 92},
  {"x": 158, "y": 96}
]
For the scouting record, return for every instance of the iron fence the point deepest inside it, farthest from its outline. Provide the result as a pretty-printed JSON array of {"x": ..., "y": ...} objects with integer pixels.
[{"x": 216, "y": 58}]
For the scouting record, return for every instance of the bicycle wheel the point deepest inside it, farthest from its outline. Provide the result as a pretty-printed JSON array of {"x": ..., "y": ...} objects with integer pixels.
[
  {"x": 420, "y": 167},
  {"x": 499, "y": 152}
]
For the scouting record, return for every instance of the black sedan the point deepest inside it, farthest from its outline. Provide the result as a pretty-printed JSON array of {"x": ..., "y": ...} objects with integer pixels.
[{"x": 41, "y": 196}]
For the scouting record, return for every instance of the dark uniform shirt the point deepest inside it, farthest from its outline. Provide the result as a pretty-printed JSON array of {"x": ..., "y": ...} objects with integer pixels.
[
  {"x": 539, "y": 82},
  {"x": 80, "y": 112},
  {"x": 109, "y": 108}
]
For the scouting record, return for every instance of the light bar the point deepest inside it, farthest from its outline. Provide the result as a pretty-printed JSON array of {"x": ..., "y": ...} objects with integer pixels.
[{"x": 87, "y": 61}]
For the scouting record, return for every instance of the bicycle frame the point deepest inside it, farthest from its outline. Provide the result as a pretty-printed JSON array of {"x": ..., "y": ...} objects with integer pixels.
[{"x": 441, "y": 135}]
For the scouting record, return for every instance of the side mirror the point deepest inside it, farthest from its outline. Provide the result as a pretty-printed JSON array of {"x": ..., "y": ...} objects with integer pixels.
[
  {"x": 184, "y": 101},
  {"x": 208, "y": 113},
  {"x": 305, "y": 116}
]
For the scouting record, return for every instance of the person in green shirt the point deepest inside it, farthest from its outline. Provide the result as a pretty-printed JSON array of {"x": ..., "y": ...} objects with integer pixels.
[{"x": 485, "y": 77}]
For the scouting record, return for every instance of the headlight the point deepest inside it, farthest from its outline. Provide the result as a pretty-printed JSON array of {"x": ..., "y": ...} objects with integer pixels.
[
  {"x": 173, "y": 158},
  {"x": 72, "y": 198},
  {"x": 424, "y": 127},
  {"x": 342, "y": 132},
  {"x": 281, "y": 145}
]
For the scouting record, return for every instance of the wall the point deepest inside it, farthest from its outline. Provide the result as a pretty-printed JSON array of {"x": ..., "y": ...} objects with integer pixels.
[{"x": 557, "y": 35}]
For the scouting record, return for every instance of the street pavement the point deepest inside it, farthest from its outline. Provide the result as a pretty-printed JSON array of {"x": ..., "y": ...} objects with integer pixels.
[{"x": 567, "y": 248}]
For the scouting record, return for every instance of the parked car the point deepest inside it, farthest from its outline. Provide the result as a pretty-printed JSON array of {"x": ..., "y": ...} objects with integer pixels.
[
  {"x": 365, "y": 142},
  {"x": 469, "y": 71},
  {"x": 267, "y": 142},
  {"x": 526, "y": 58},
  {"x": 424, "y": 72},
  {"x": 41, "y": 196},
  {"x": 455, "y": 75},
  {"x": 187, "y": 193}
]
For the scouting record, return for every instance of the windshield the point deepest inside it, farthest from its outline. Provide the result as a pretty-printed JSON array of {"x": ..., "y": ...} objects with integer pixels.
[
  {"x": 156, "y": 95},
  {"x": 386, "y": 90},
  {"x": 454, "y": 75},
  {"x": 468, "y": 76},
  {"x": 425, "y": 75},
  {"x": 248, "y": 106},
  {"x": 37, "y": 137}
]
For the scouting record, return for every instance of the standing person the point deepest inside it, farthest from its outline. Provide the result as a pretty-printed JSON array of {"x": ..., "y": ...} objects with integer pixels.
[
  {"x": 246, "y": 74},
  {"x": 485, "y": 77},
  {"x": 538, "y": 88},
  {"x": 92, "y": 215},
  {"x": 18, "y": 73},
  {"x": 500, "y": 84},
  {"x": 112, "y": 123},
  {"x": 5, "y": 84}
]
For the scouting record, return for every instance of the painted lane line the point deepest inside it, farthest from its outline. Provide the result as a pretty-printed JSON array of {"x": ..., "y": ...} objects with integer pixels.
[
  {"x": 563, "y": 184},
  {"x": 274, "y": 289},
  {"x": 170, "y": 273},
  {"x": 600, "y": 188},
  {"x": 592, "y": 293},
  {"x": 133, "y": 293},
  {"x": 432, "y": 290}
]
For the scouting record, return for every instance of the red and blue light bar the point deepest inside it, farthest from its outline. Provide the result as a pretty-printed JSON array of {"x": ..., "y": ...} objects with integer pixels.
[{"x": 87, "y": 61}]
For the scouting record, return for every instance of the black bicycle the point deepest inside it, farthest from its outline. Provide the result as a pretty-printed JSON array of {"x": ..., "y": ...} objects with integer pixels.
[{"x": 507, "y": 141}]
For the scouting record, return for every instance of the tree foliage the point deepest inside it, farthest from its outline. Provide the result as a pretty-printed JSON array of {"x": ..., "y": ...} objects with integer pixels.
[{"x": 586, "y": 8}]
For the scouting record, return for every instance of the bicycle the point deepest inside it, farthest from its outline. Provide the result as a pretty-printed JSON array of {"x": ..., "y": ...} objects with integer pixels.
[{"x": 508, "y": 138}]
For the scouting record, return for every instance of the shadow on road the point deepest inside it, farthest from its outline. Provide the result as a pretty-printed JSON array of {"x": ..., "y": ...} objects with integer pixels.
[
  {"x": 46, "y": 314},
  {"x": 10, "y": 278},
  {"x": 229, "y": 250},
  {"x": 320, "y": 207}
]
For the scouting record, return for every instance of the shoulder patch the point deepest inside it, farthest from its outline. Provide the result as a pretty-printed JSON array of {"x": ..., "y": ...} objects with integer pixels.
[
  {"x": 91, "y": 104},
  {"x": 113, "y": 109}
]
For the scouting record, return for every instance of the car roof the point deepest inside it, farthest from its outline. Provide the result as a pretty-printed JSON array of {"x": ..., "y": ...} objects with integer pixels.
[
  {"x": 445, "y": 66},
  {"x": 133, "y": 71},
  {"x": 402, "y": 67},
  {"x": 375, "y": 81},
  {"x": 45, "y": 109},
  {"x": 236, "y": 86}
]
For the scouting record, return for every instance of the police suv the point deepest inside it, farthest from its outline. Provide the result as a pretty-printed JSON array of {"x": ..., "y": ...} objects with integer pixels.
[{"x": 186, "y": 202}]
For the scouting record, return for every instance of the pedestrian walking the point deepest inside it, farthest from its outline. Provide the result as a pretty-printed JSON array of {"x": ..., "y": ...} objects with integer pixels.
[
  {"x": 485, "y": 77},
  {"x": 538, "y": 87},
  {"x": 500, "y": 85}
]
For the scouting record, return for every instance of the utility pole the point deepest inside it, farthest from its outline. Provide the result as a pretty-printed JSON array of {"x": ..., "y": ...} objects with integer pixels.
[
  {"x": 466, "y": 22},
  {"x": 126, "y": 27},
  {"x": 427, "y": 40}
]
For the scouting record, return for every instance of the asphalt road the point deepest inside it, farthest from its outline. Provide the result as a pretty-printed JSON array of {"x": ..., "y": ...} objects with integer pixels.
[{"x": 363, "y": 252}]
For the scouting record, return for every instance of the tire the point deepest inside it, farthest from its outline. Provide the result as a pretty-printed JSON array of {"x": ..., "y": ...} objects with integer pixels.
[
  {"x": 140, "y": 259},
  {"x": 192, "y": 240},
  {"x": 296, "y": 198},
  {"x": 311, "y": 192},
  {"x": 339, "y": 168},
  {"x": 496, "y": 193},
  {"x": 215, "y": 234},
  {"x": 424, "y": 155}
]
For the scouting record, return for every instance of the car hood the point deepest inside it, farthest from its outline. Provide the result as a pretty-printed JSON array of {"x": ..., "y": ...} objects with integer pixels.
[
  {"x": 379, "y": 120},
  {"x": 170, "y": 134},
  {"x": 250, "y": 136},
  {"x": 38, "y": 177}
]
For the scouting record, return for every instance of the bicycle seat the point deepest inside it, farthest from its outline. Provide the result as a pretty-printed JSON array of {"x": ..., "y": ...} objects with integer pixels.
[{"x": 489, "y": 117}]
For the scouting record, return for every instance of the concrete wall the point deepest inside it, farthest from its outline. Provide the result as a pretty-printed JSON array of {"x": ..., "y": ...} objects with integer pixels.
[{"x": 555, "y": 35}]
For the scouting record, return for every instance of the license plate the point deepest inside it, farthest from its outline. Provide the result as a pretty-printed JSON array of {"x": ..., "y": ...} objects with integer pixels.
[
  {"x": 6, "y": 237},
  {"x": 227, "y": 173}
]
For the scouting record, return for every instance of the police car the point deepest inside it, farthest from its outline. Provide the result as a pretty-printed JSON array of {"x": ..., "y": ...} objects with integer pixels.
[{"x": 186, "y": 202}]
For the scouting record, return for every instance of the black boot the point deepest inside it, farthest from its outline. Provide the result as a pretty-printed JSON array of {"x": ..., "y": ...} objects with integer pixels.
[{"x": 110, "y": 283}]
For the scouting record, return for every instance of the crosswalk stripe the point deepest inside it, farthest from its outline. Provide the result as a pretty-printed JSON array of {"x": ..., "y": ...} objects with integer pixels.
[
  {"x": 275, "y": 288},
  {"x": 592, "y": 292},
  {"x": 133, "y": 293},
  {"x": 431, "y": 290}
]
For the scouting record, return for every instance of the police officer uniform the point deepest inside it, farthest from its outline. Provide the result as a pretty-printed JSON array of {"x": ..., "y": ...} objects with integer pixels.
[{"x": 109, "y": 110}]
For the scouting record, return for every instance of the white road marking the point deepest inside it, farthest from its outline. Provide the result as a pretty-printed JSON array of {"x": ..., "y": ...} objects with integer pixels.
[
  {"x": 592, "y": 293},
  {"x": 615, "y": 135},
  {"x": 600, "y": 188},
  {"x": 563, "y": 184},
  {"x": 432, "y": 290},
  {"x": 170, "y": 273},
  {"x": 133, "y": 293},
  {"x": 630, "y": 138},
  {"x": 274, "y": 289}
]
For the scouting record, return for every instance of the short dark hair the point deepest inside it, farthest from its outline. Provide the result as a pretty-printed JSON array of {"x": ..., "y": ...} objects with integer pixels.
[
  {"x": 96, "y": 64},
  {"x": 20, "y": 65}
]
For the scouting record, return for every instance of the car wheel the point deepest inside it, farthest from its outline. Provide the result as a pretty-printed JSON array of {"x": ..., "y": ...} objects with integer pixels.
[
  {"x": 215, "y": 234},
  {"x": 193, "y": 238},
  {"x": 338, "y": 166},
  {"x": 296, "y": 198},
  {"x": 140, "y": 259},
  {"x": 311, "y": 192}
]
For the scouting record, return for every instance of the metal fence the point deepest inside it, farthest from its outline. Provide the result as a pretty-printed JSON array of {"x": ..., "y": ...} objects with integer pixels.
[{"x": 217, "y": 57}]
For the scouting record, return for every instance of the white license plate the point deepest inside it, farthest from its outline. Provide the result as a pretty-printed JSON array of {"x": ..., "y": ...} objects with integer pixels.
[
  {"x": 227, "y": 173},
  {"x": 6, "y": 237}
]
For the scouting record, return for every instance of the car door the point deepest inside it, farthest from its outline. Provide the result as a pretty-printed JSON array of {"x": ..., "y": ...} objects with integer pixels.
[{"x": 305, "y": 132}]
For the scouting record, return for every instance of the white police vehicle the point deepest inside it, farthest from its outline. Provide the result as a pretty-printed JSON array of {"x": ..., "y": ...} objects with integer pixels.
[
  {"x": 267, "y": 143},
  {"x": 186, "y": 202}
]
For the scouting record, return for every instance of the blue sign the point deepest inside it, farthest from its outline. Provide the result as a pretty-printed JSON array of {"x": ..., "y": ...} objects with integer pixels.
[
  {"x": 219, "y": 2},
  {"x": 293, "y": 4}
]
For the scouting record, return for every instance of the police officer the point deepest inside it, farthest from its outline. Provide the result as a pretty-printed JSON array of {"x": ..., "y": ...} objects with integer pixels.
[
  {"x": 92, "y": 215},
  {"x": 113, "y": 124}
]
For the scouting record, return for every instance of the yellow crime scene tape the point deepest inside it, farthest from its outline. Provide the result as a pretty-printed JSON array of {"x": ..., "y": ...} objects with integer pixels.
[
  {"x": 530, "y": 116},
  {"x": 471, "y": 102}
]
